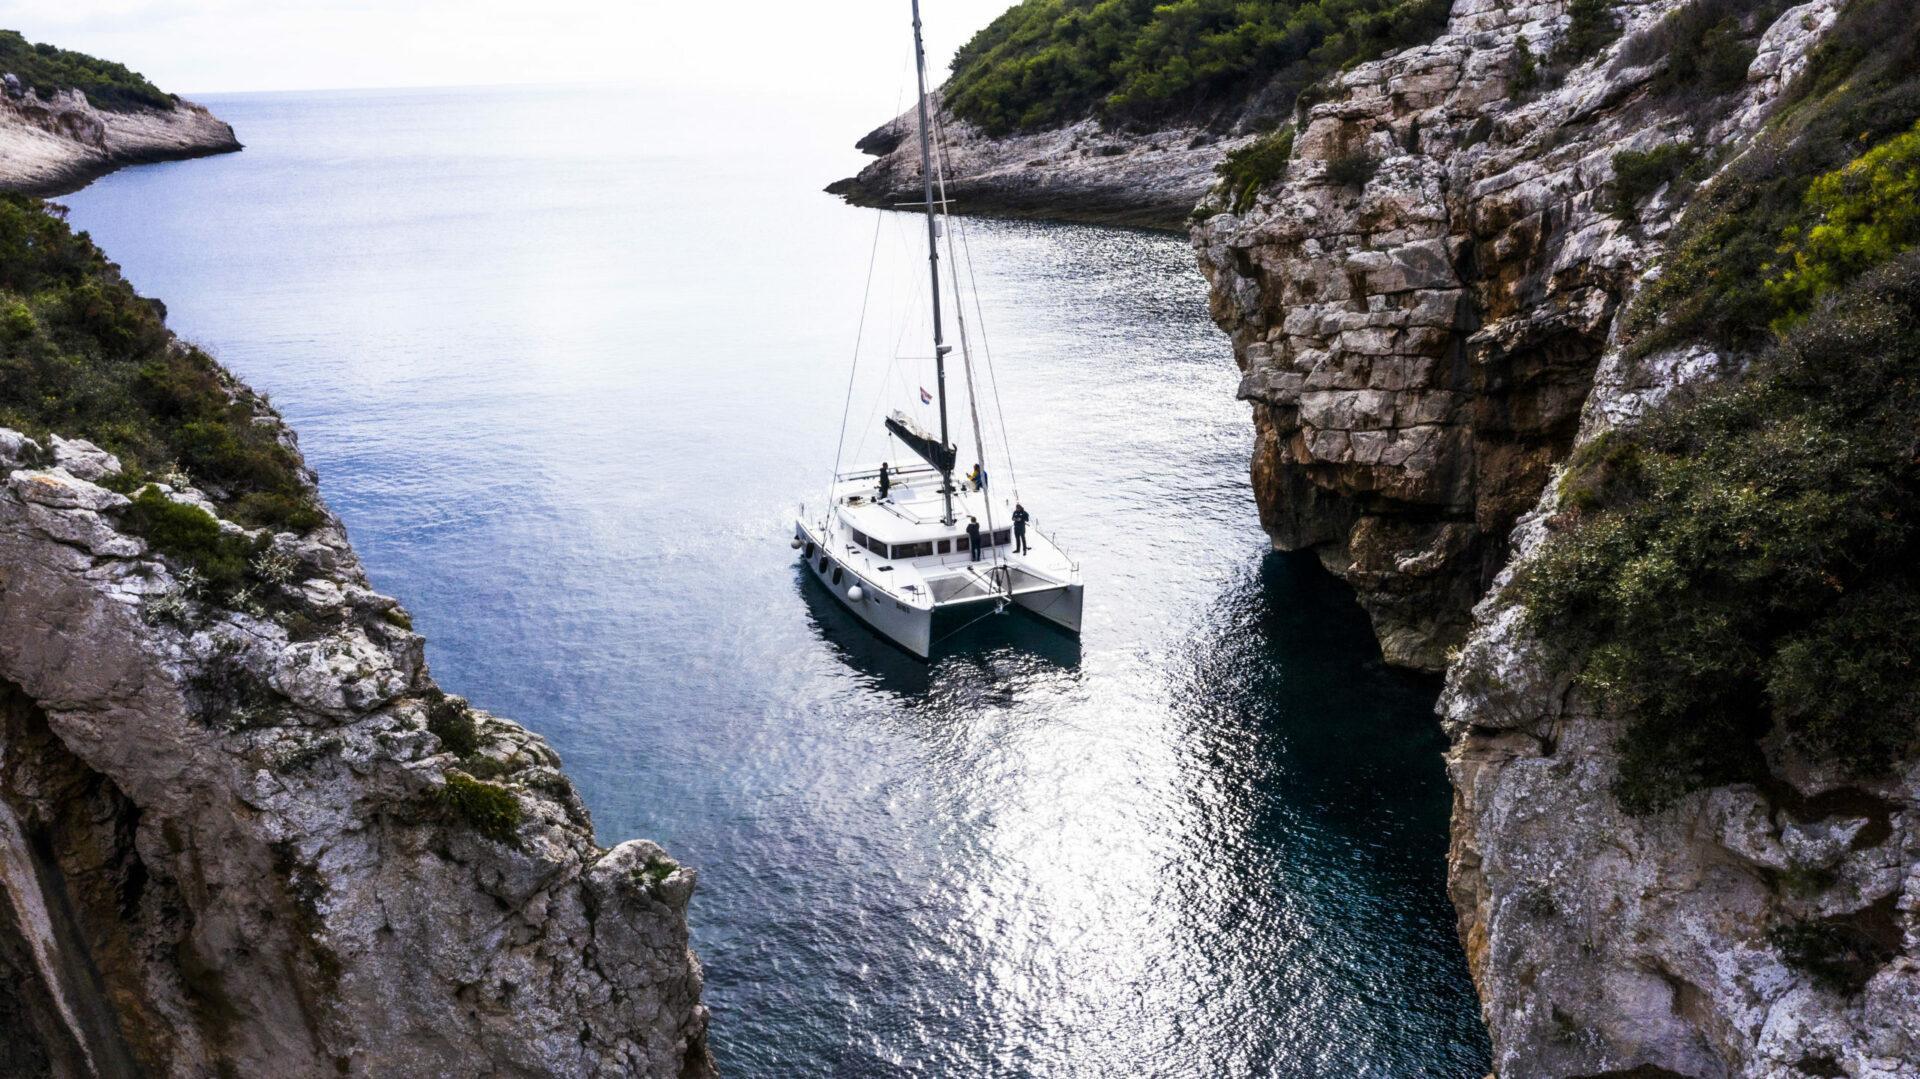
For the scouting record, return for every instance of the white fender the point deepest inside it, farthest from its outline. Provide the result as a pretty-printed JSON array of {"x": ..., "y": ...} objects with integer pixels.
[{"x": 855, "y": 593}]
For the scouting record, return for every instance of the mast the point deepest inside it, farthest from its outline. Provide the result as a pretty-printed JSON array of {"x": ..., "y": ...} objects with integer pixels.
[{"x": 940, "y": 347}]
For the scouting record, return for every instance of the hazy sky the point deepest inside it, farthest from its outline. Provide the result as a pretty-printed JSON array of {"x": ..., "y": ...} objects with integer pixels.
[{"x": 823, "y": 47}]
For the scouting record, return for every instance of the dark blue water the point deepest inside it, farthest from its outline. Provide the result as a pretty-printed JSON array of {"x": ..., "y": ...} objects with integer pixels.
[{"x": 566, "y": 361}]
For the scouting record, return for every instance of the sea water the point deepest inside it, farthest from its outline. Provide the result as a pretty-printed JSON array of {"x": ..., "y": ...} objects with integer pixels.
[{"x": 568, "y": 360}]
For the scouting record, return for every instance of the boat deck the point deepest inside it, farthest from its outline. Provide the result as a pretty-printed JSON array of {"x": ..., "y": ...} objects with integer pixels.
[{"x": 901, "y": 549}]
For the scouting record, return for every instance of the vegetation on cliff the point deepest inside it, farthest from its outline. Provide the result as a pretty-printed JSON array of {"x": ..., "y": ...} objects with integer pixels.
[
  {"x": 1749, "y": 557},
  {"x": 1721, "y": 281},
  {"x": 1746, "y": 560},
  {"x": 1048, "y": 62},
  {"x": 83, "y": 355},
  {"x": 47, "y": 69}
]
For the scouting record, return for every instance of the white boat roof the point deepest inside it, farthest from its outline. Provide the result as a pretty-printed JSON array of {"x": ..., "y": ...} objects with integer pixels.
[{"x": 914, "y": 506}]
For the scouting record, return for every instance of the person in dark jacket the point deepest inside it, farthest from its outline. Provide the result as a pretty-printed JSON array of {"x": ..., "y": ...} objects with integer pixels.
[
  {"x": 886, "y": 481},
  {"x": 973, "y": 537},
  {"x": 1019, "y": 529}
]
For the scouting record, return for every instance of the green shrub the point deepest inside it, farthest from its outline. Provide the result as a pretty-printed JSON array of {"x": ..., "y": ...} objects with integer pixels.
[
  {"x": 1590, "y": 28},
  {"x": 1525, "y": 76},
  {"x": 653, "y": 874},
  {"x": 1253, "y": 167},
  {"x": 1860, "y": 88},
  {"x": 1707, "y": 46},
  {"x": 1637, "y": 175},
  {"x": 492, "y": 810},
  {"x": 87, "y": 357},
  {"x": 1044, "y": 63},
  {"x": 1866, "y": 212},
  {"x": 190, "y": 536},
  {"x": 1748, "y": 559},
  {"x": 451, "y": 720},
  {"x": 107, "y": 85},
  {"x": 1352, "y": 169}
]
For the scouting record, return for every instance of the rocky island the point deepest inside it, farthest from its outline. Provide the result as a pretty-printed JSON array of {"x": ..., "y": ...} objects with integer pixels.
[
  {"x": 66, "y": 118},
  {"x": 242, "y": 830},
  {"x": 1578, "y": 336}
]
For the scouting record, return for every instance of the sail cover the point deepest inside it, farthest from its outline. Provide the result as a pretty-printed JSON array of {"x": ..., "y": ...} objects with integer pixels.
[{"x": 922, "y": 443}]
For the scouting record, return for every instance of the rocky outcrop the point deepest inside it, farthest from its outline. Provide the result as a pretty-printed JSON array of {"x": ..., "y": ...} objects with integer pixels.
[
  {"x": 1427, "y": 314},
  {"x": 1082, "y": 172},
  {"x": 1420, "y": 308},
  {"x": 56, "y": 144},
  {"x": 1602, "y": 942},
  {"x": 248, "y": 835}
]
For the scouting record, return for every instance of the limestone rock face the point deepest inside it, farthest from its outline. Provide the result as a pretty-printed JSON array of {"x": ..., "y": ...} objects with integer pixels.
[
  {"x": 229, "y": 844},
  {"x": 1077, "y": 173},
  {"x": 50, "y": 146},
  {"x": 1420, "y": 308},
  {"x": 1426, "y": 314},
  {"x": 1602, "y": 942}
]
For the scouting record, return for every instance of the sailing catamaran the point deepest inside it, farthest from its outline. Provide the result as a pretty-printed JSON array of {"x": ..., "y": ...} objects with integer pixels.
[{"x": 899, "y": 552}]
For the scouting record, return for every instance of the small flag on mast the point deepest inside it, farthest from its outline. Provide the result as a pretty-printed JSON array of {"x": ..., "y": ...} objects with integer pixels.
[{"x": 925, "y": 397}]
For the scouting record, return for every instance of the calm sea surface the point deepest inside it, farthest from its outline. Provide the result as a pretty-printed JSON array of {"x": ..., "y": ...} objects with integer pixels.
[{"x": 567, "y": 360}]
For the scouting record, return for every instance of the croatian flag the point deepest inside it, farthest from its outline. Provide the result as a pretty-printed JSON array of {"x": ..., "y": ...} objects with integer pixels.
[{"x": 925, "y": 397}]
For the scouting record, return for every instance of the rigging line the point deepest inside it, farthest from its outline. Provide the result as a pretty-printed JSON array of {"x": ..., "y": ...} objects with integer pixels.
[
  {"x": 879, "y": 218},
  {"x": 906, "y": 299},
  {"x": 993, "y": 380},
  {"x": 966, "y": 351},
  {"x": 860, "y": 330}
]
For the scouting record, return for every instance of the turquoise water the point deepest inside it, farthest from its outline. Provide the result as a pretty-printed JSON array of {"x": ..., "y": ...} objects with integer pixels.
[{"x": 566, "y": 361}]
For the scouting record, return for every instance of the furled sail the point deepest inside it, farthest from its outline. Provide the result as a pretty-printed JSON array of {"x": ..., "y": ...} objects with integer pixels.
[{"x": 922, "y": 443}]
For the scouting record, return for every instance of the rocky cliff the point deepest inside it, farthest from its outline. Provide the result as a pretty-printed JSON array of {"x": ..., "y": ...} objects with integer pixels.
[
  {"x": 59, "y": 142},
  {"x": 235, "y": 844},
  {"x": 242, "y": 831},
  {"x": 1431, "y": 310},
  {"x": 1420, "y": 308},
  {"x": 259, "y": 840},
  {"x": 1079, "y": 172}
]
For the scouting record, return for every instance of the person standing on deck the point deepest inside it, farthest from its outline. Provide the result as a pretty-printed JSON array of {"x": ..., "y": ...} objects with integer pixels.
[
  {"x": 1019, "y": 529},
  {"x": 886, "y": 481},
  {"x": 973, "y": 537}
]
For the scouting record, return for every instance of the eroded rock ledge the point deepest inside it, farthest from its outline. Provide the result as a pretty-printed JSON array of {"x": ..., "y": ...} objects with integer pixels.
[
  {"x": 230, "y": 843},
  {"x": 1082, "y": 172},
  {"x": 53, "y": 146}
]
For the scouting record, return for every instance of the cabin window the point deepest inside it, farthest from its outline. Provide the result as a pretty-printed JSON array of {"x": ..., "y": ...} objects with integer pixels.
[
  {"x": 912, "y": 550},
  {"x": 875, "y": 546},
  {"x": 946, "y": 546},
  {"x": 859, "y": 537},
  {"x": 836, "y": 575},
  {"x": 1002, "y": 537},
  {"x": 960, "y": 543}
]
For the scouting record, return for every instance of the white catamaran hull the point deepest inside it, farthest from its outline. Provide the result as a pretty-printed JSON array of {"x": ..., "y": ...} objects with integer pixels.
[
  {"x": 1061, "y": 606},
  {"x": 909, "y": 627}
]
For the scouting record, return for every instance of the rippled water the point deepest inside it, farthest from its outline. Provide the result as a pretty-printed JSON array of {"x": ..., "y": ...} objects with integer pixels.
[{"x": 566, "y": 362}]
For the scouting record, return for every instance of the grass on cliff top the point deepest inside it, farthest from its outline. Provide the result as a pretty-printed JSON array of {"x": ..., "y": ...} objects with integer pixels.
[
  {"x": 84, "y": 356},
  {"x": 491, "y": 809},
  {"x": 1747, "y": 230},
  {"x": 48, "y": 69},
  {"x": 1044, "y": 63},
  {"x": 1748, "y": 559}
]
